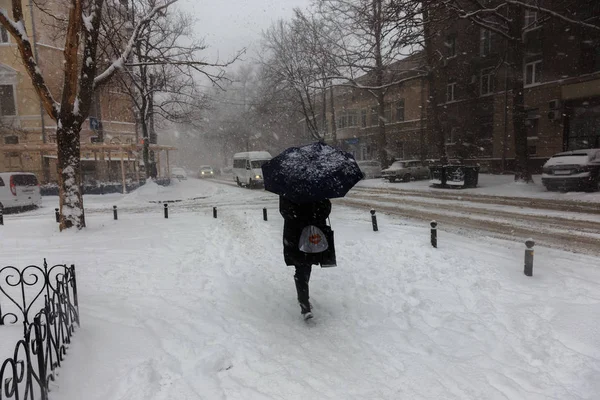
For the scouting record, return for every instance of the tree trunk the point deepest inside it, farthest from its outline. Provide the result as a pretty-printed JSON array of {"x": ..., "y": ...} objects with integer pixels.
[
  {"x": 69, "y": 173},
  {"x": 381, "y": 134},
  {"x": 522, "y": 172},
  {"x": 333, "y": 124},
  {"x": 433, "y": 78}
]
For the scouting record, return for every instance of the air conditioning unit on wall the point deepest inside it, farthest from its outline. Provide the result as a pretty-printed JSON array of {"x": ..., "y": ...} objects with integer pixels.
[{"x": 554, "y": 104}]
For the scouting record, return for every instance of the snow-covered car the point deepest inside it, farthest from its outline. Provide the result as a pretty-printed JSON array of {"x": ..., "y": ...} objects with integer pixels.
[
  {"x": 19, "y": 190},
  {"x": 406, "y": 171},
  {"x": 206, "y": 171},
  {"x": 573, "y": 170},
  {"x": 178, "y": 173},
  {"x": 370, "y": 168}
]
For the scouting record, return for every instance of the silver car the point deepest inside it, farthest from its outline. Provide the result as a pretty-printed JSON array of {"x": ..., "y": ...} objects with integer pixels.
[
  {"x": 370, "y": 168},
  {"x": 406, "y": 171}
]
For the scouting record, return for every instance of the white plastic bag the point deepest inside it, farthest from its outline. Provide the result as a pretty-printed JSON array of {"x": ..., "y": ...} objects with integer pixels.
[{"x": 312, "y": 240}]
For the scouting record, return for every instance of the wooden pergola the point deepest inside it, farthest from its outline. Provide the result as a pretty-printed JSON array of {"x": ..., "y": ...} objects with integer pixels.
[{"x": 123, "y": 151}]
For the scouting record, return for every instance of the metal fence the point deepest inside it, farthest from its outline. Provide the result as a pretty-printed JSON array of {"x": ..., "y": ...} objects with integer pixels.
[{"x": 46, "y": 333}]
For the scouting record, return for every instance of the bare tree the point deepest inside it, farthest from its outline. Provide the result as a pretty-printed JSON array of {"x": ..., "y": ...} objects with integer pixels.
[
  {"x": 161, "y": 75},
  {"x": 506, "y": 19},
  {"x": 81, "y": 79},
  {"x": 376, "y": 34},
  {"x": 298, "y": 56}
]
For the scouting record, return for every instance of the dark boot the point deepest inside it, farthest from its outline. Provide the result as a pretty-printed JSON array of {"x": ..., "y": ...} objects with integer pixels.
[{"x": 301, "y": 279}]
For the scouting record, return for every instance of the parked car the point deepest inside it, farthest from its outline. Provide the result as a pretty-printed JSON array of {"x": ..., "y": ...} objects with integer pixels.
[
  {"x": 370, "y": 168},
  {"x": 206, "y": 171},
  {"x": 178, "y": 173},
  {"x": 573, "y": 170},
  {"x": 247, "y": 167},
  {"x": 19, "y": 190},
  {"x": 406, "y": 170}
]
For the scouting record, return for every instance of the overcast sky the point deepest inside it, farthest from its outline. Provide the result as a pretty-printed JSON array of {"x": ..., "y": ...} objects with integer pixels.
[{"x": 230, "y": 25}]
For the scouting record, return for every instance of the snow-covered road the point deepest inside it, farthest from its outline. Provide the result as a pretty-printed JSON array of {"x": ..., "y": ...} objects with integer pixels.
[{"x": 197, "y": 308}]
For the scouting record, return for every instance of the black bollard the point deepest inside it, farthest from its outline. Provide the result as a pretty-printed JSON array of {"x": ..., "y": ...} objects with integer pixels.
[
  {"x": 166, "y": 210},
  {"x": 57, "y": 215},
  {"x": 434, "y": 234},
  {"x": 528, "y": 270},
  {"x": 1, "y": 215},
  {"x": 214, "y": 212},
  {"x": 115, "y": 213},
  {"x": 265, "y": 214},
  {"x": 374, "y": 221}
]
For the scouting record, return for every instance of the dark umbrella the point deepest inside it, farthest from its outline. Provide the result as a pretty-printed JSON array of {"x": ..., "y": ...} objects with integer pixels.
[{"x": 311, "y": 173}]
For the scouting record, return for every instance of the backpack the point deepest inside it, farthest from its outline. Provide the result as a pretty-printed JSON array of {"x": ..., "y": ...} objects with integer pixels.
[{"x": 312, "y": 240}]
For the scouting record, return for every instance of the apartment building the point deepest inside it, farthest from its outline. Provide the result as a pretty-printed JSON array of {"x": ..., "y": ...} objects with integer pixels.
[
  {"x": 474, "y": 97},
  {"x": 23, "y": 121},
  {"x": 356, "y": 114}
]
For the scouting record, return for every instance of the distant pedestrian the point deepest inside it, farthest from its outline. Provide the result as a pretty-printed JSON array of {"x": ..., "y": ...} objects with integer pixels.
[{"x": 297, "y": 217}]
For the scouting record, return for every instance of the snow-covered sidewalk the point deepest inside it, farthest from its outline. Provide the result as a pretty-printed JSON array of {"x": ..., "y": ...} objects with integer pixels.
[{"x": 197, "y": 308}]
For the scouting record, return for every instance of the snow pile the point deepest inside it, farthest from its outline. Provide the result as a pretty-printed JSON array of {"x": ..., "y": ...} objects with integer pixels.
[{"x": 195, "y": 307}]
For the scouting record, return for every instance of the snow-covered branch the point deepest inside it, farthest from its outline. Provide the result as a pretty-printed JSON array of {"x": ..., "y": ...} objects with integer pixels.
[{"x": 120, "y": 62}]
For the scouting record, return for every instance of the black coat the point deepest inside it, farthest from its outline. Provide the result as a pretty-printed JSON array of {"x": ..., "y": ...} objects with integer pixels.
[{"x": 297, "y": 217}]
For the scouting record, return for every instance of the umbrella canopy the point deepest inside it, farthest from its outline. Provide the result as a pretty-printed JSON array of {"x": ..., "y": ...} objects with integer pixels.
[{"x": 311, "y": 173}]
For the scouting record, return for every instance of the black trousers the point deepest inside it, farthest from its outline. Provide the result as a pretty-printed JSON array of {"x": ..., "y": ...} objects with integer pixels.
[{"x": 301, "y": 279}]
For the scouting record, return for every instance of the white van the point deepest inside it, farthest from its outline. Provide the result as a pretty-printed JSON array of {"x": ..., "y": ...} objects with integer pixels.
[
  {"x": 19, "y": 190},
  {"x": 246, "y": 167}
]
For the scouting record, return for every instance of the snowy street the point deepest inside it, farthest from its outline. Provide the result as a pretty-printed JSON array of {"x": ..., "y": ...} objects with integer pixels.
[{"x": 193, "y": 307}]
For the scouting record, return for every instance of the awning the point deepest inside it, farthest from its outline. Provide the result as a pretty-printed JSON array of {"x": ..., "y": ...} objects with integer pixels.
[{"x": 112, "y": 158}]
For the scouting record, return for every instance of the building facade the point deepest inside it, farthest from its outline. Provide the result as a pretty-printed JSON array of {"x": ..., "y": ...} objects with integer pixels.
[
  {"x": 356, "y": 115},
  {"x": 24, "y": 122},
  {"x": 474, "y": 98}
]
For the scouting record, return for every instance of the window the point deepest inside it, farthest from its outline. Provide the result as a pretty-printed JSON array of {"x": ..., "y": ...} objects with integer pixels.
[
  {"x": 3, "y": 35},
  {"x": 451, "y": 92},
  {"x": 532, "y": 123},
  {"x": 450, "y": 46},
  {"x": 387, "y": 114},
  {"x": 352, "y": 118},
  {"x": 363, "y": 118},
  {"x": 11, "y": 139},
  {"x": 530, "y": 19},
  {"x": 7, "y": 100},
  {"x": 374, "y": 116},
  {"x": 485, "y": 42},
  {"x": 486, "y": 82},
  {"x": 533, "y": 73},
  {"x": 400, "y": 110}
]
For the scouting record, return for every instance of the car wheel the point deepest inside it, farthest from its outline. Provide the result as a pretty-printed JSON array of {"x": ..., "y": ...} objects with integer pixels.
[
  {"x": 237, "y": 180},
  {"x": 250, "y": 184},
  {"x": 406, "y": 178},
  {"x": 392, "y": 179}
]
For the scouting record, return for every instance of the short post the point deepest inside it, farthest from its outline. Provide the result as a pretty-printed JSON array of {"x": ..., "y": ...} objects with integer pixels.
[
  {"x": 1, "y": 215},
  {"x": 214, "y": 212},
  {"x": 374, "y": 221},
  {"x": 265, "y": 214},
  {"x": 115, "y": 213},
  {"x": 434, "y": 233},
  {"x": 528, "y": 270},
  {"x": 57, "y": 215},
  {"x": 166, "y": 210}
]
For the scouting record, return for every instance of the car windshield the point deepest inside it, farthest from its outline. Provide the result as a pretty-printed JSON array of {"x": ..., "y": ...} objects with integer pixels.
[
  {"x": 257, "y": 163},
  {"x": 206, "y": 168},
  {"x": 397, "y": 164}
]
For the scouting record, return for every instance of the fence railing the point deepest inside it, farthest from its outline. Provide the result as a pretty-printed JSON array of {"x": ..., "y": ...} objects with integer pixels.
[{"x": 26, "y": 374}]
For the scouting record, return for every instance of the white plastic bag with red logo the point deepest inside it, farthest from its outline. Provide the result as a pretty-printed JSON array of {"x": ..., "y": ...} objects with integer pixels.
[{"x": 312, "y": 240}]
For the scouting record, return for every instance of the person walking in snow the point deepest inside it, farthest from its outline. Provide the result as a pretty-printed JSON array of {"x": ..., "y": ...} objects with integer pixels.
[{"x": 296, "y": 218}]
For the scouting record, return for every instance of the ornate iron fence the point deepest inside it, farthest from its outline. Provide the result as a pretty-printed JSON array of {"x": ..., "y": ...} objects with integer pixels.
[{"x": 46, "y": 335}]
